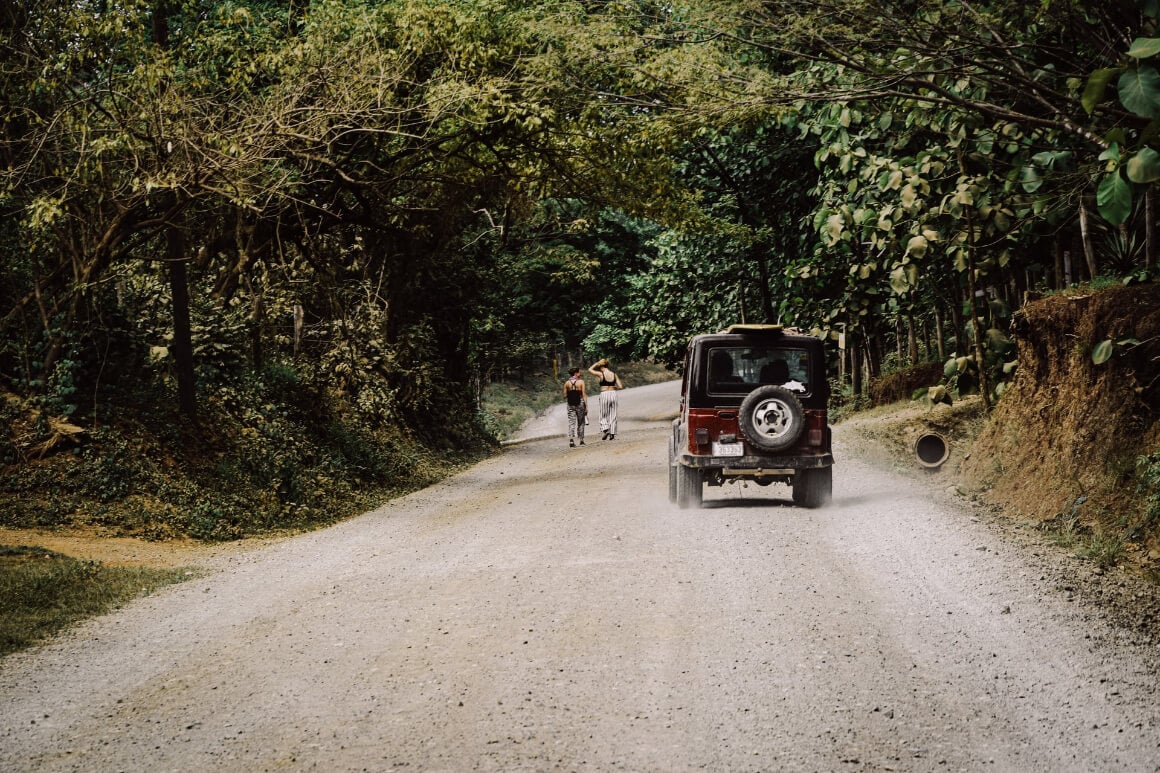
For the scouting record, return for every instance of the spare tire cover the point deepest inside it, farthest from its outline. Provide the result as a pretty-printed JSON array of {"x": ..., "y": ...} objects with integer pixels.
[{"x": 771, "y": 418}]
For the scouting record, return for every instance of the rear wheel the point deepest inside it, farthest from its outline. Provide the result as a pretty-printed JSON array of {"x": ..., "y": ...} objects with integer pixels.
[
  {"x": 689, "y": 487},
  {"x": 672, "y": 473},
  {"x": 813, "y": 488}
]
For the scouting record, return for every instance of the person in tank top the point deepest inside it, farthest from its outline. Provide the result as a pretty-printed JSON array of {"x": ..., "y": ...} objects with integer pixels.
[
  {"x": 609, "y": 385},
  {"x": 576, "y": 395}
]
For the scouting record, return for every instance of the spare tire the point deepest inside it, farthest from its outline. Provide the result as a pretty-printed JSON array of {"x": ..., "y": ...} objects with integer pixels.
[{"x": 771, "y": 418}]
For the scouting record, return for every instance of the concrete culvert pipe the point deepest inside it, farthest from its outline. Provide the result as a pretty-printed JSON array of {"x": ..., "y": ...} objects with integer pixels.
[{"x": 931, "y": 449}]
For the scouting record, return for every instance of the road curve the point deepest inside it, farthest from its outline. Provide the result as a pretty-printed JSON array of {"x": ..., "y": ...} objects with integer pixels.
[{"x": 548, "y": 609}]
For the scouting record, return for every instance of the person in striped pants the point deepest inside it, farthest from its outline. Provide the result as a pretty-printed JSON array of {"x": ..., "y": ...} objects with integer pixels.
[
  {"x": 577, "y": 402},
  {"x": 609, "y": 385}
]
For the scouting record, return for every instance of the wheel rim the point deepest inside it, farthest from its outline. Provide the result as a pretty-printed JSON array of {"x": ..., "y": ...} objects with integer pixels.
[{"x": 772, "y": 419}]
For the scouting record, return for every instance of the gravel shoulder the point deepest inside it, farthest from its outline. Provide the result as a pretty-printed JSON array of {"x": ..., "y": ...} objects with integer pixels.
[{"x": 884, "y": 439}]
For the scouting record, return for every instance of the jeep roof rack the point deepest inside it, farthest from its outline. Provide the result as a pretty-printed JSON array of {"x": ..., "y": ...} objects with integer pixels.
[{"x": 755, "y": 329}]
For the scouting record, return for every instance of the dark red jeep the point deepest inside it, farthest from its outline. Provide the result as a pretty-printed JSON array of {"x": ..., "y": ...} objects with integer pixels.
[{"x": 753, "y": 407}]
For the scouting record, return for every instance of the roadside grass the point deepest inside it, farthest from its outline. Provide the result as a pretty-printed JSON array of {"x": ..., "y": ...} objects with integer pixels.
[
  {"x": 1085, "y": 538},
  {"x": 1104, "y": 550},
  {"x": 508, "y": 404},
  {"x": 42, "y": 592}
]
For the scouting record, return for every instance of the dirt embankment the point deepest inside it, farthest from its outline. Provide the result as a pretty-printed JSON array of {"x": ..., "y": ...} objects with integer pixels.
[{"x": 1065, "y": 439}]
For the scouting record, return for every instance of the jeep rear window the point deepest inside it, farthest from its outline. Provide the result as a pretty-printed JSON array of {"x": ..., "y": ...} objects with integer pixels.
[{"x": 734, "y": 369}]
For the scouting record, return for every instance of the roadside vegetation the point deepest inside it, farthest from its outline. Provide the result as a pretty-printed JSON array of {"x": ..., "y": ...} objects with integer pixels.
[{"x": 42, "y": 592}]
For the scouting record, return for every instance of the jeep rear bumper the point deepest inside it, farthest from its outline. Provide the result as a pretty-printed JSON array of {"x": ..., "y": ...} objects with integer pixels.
[{"x": 756, "y": 465}]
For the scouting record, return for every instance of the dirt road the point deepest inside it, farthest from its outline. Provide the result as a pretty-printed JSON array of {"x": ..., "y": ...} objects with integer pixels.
[{"x": 549, "y": 610}]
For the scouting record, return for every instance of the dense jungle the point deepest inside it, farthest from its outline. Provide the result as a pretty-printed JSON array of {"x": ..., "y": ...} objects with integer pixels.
[{"x": 262, "y": 261}]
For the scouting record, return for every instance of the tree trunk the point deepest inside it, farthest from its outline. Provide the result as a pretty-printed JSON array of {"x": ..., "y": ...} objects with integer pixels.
[
  {"x": 958, "y": 323},
  {"x": 1149, "y": 226},
  {"x": 855, "y": 350},
  {"x": 761, "y": 258},
  {"x": 980, "y": 353},
  {"x": 940, "y": 341},
  {"x": 873, "y": 356},
  {"x": 299, "y": 315},
  {"x": 257, "y": 322},
  {"x": 843, "y": 352},
  {"x": 1085, "y": 234},
  {"x": 911, "y": 340},
  {"x": 182, "y": 332},
  {"x": 178, "y": 278}
]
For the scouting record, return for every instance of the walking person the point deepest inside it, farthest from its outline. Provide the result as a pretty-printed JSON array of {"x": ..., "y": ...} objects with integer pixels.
[
  {"x": 609, "y": 385},
  {"x": 577, "y": 396}
]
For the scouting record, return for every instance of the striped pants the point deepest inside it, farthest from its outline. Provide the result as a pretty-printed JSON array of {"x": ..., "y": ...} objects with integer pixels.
[
  {"x": 608, "y": 411},
  {"x": 576, "y": 422}
]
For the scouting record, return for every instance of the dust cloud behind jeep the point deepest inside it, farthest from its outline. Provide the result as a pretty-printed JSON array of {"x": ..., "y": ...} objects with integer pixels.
[{"x": 753, "y": 408}]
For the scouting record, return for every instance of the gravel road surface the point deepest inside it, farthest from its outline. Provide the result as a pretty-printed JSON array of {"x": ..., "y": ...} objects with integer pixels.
[{"x": 548, "y": 609}]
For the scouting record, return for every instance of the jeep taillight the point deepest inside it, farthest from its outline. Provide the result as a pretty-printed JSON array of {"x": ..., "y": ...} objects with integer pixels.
[
  {"x": 816, "y": 428},
  {"x": 701, "y": 436}
]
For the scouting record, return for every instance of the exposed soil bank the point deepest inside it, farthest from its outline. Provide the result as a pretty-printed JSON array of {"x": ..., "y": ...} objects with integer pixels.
[{"x": 1065, "y": 439}]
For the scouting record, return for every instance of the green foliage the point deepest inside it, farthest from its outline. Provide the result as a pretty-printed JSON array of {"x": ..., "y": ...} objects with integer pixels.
[
  {"x": 1067, "y": 527},
  {"x": 276, "y": 452},
  {"x": 732, "y": 263},
  {"x": 1104, "y": 545},
  {"x": 1105, "y": 550},
  {"x": 964, "y": 374},
  {"x": 1103, "y": 350},
  {"x": 844, "y": 403}
]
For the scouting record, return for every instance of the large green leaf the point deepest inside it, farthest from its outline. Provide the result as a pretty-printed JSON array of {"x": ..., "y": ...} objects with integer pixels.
[
  {"x": 1140, "y": 90},
  {"x": 940, "y": 394},
  {"x": 1102, "y": 352},
  {"x": 1144, "y": 167},
  {"x": 1097, "y": 85},
  {"x": 1053, "y": 159},
  {"x": 917, "y": 246},
  {"x": 904, "y": 278},
  {"x": 1144, "y": 48},
  {"x": 1031, "y": 179},
  {"x": 1114, "y": 198}
]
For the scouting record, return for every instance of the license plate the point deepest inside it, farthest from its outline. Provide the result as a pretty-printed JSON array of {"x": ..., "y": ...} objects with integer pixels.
[{"x": 728, "y": 449}]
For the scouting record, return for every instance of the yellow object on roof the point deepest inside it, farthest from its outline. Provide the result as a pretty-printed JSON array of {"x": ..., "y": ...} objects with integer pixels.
[{"x": 754, "y": 329}]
